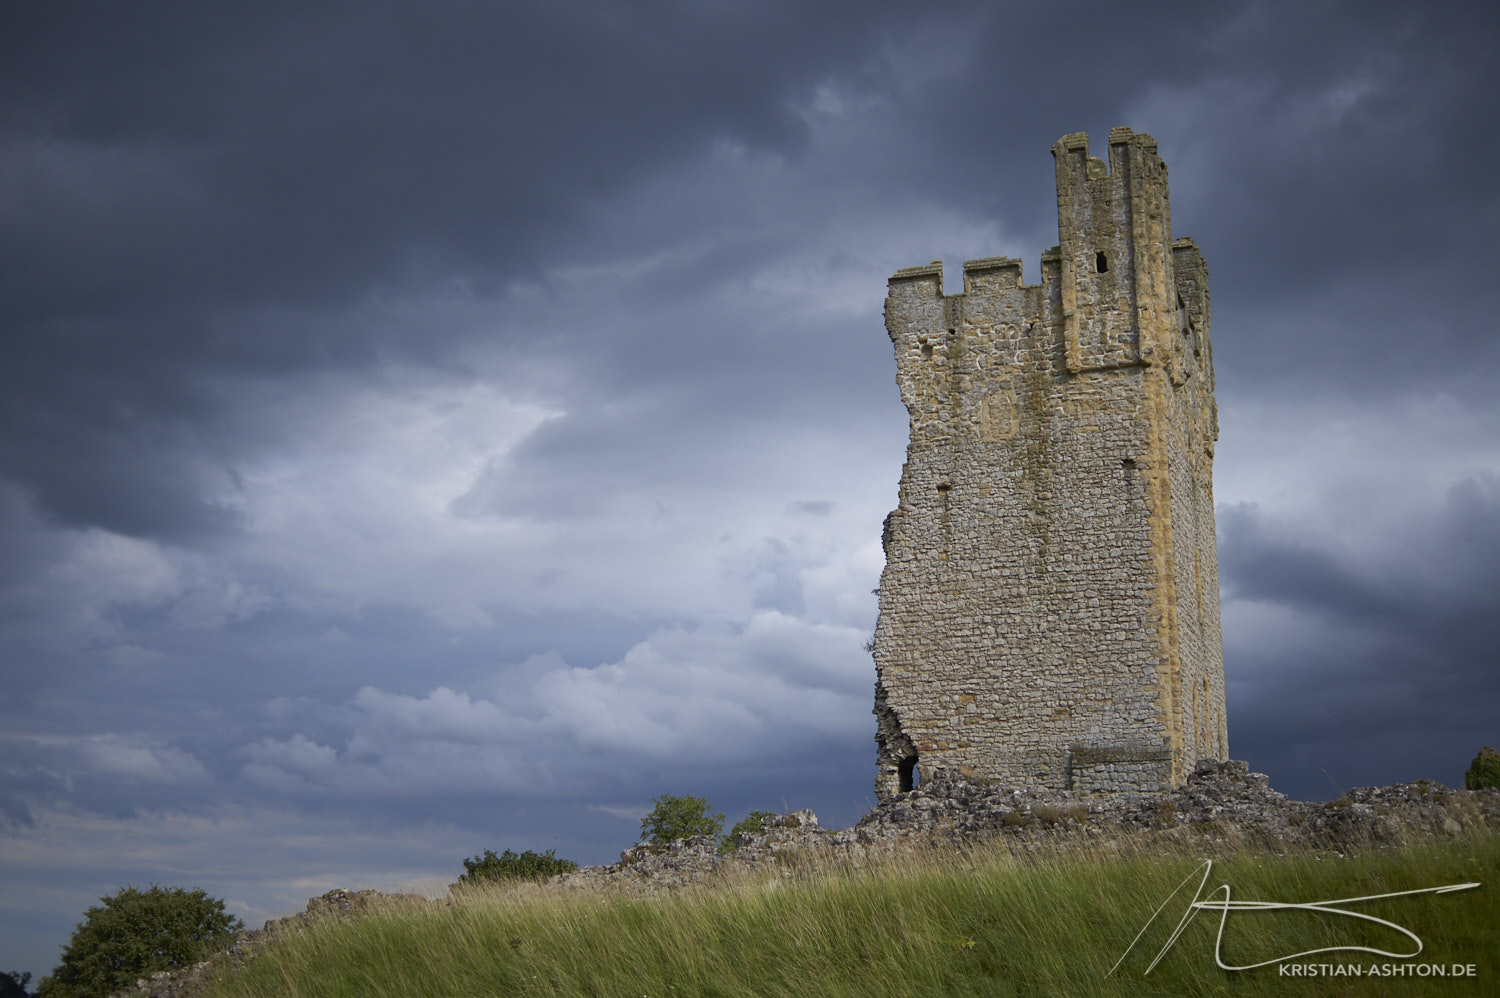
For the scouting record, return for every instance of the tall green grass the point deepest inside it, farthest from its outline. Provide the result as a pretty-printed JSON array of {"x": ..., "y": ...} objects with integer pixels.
[{"x": 984, "y": 923}]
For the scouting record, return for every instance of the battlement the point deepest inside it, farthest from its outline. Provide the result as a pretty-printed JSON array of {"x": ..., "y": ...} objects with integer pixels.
[
  {"x": 1049, "y": 607},
  {"x": 1072, "y": 153},
  {"x": 1005, "y": 270},
  {"x": 933, "y": 269},
  {"x": 1114, "y": 255}
]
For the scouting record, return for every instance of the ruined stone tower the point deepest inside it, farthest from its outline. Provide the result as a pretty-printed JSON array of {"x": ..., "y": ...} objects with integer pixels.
[{"x": 1049, "y": 611}]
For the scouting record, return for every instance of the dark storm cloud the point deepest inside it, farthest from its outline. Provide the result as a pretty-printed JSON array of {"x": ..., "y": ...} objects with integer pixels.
[
  {"x": 1437, "y": 573},
  {"x": 1393, "y": 675},
  {"x": 172, "y": 171},
  {"x": 195, "y": 191},
  {"x": 1259, "y": 562},
  {"x": 297, "y": 154}
]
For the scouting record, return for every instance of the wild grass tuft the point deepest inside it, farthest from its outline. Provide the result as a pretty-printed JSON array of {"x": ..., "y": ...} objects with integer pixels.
[{"x": 984, "y": 921}]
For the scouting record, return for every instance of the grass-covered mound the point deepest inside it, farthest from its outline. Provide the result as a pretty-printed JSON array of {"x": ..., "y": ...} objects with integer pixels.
[{"x": 989, "y": 923}]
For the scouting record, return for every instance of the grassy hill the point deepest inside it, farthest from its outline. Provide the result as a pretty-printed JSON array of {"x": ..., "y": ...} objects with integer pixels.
[{"x": 989, "y": 922}]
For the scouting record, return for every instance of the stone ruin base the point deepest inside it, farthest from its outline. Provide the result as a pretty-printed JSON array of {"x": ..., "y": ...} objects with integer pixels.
[{"x": 1222, "y": 804}]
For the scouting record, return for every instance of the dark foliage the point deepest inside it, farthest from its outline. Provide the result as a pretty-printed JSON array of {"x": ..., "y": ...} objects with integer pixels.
[
  {"x": 13, "y": 984},
  {"x": 136, "y": 933},
  {"x": 748, "y": 825},
  {"x": 514, "y": 866},
  {"x": 1484, "y": 771}
]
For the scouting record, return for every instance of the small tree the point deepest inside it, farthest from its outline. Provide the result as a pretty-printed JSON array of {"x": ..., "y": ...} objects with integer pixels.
[
  {"x": 13, "y": 984},
  {"x": 676, "y": 818},
  {"x": 748, "y": 825},
  {"x": 1484, "y": 771},
  {"x": 512, "y": 866},
  {"x": 136, "y": 933}
]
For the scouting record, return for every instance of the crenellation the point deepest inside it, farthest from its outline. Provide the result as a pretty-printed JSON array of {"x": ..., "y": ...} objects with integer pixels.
[
  {"x": 991, "y": 275},
  {"x": 1049, "y": 609},
  {"x": 933, "y": 269}
]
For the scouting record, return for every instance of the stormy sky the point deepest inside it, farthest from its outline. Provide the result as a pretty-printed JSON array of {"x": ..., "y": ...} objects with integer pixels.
[{"x": 435, "y": 427}]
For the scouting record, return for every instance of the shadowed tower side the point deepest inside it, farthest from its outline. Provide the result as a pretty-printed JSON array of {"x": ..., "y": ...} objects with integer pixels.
[{"x": 1049, "y": 609}]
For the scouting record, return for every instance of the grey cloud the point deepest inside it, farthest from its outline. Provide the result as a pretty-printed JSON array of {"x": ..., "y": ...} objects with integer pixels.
[
  {"x": 681, "y": 700},
  {"x": 1257, "y": 561},
  {"x": 1388, "y": 671},
  {"x": 233, "y": 168},
  {"x": 116, "y": 775},
  {"x": 173, "y": 171},
  {"x": 1443, "y": 570}
]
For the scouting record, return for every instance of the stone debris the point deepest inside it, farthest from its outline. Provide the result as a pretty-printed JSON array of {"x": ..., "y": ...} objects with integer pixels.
[{"x": 1222, "y": 804}]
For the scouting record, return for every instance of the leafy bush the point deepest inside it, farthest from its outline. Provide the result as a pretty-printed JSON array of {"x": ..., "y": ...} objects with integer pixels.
[
  {"x": 1484, "y": 771},
  {"x": 748, "y": 825},
  {"x": 136, "y": 933},
  {"x": 676, "y": 818},
  {"x": 512, "y": 866},
  {"x": 13, "y": 984}
]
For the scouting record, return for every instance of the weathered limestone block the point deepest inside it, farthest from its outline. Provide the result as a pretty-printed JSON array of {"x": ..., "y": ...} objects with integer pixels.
[{"x": 1049, "y": 610}]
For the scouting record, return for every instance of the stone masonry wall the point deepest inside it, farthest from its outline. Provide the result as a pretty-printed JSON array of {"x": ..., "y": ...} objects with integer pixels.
[{"x": 1049, "y": 609}]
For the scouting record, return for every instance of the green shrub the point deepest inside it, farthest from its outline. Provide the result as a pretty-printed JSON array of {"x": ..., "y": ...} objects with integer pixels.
[
  {"x": 676, "y": 818},
  {"x": 748, "y": 825},
  {"x": 1484, "y": 771},
  {"x": 137, "y": 933},
  {"x": 13, "y": 984},
  {"x": 512, "y": 866}
]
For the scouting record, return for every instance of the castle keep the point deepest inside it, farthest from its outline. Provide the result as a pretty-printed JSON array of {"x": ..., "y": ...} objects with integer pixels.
[{"x": 1049, "y": 610}]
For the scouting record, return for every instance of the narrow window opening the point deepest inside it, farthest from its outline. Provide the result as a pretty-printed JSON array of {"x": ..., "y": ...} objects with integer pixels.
[
  {"x": 1101, "y": 262},
  {"x": 1128, "y": 466},
  {"x": 943, "y": 488},
  {"x": 926, "y": 351},
  {"x": 911, "y": 777}
]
